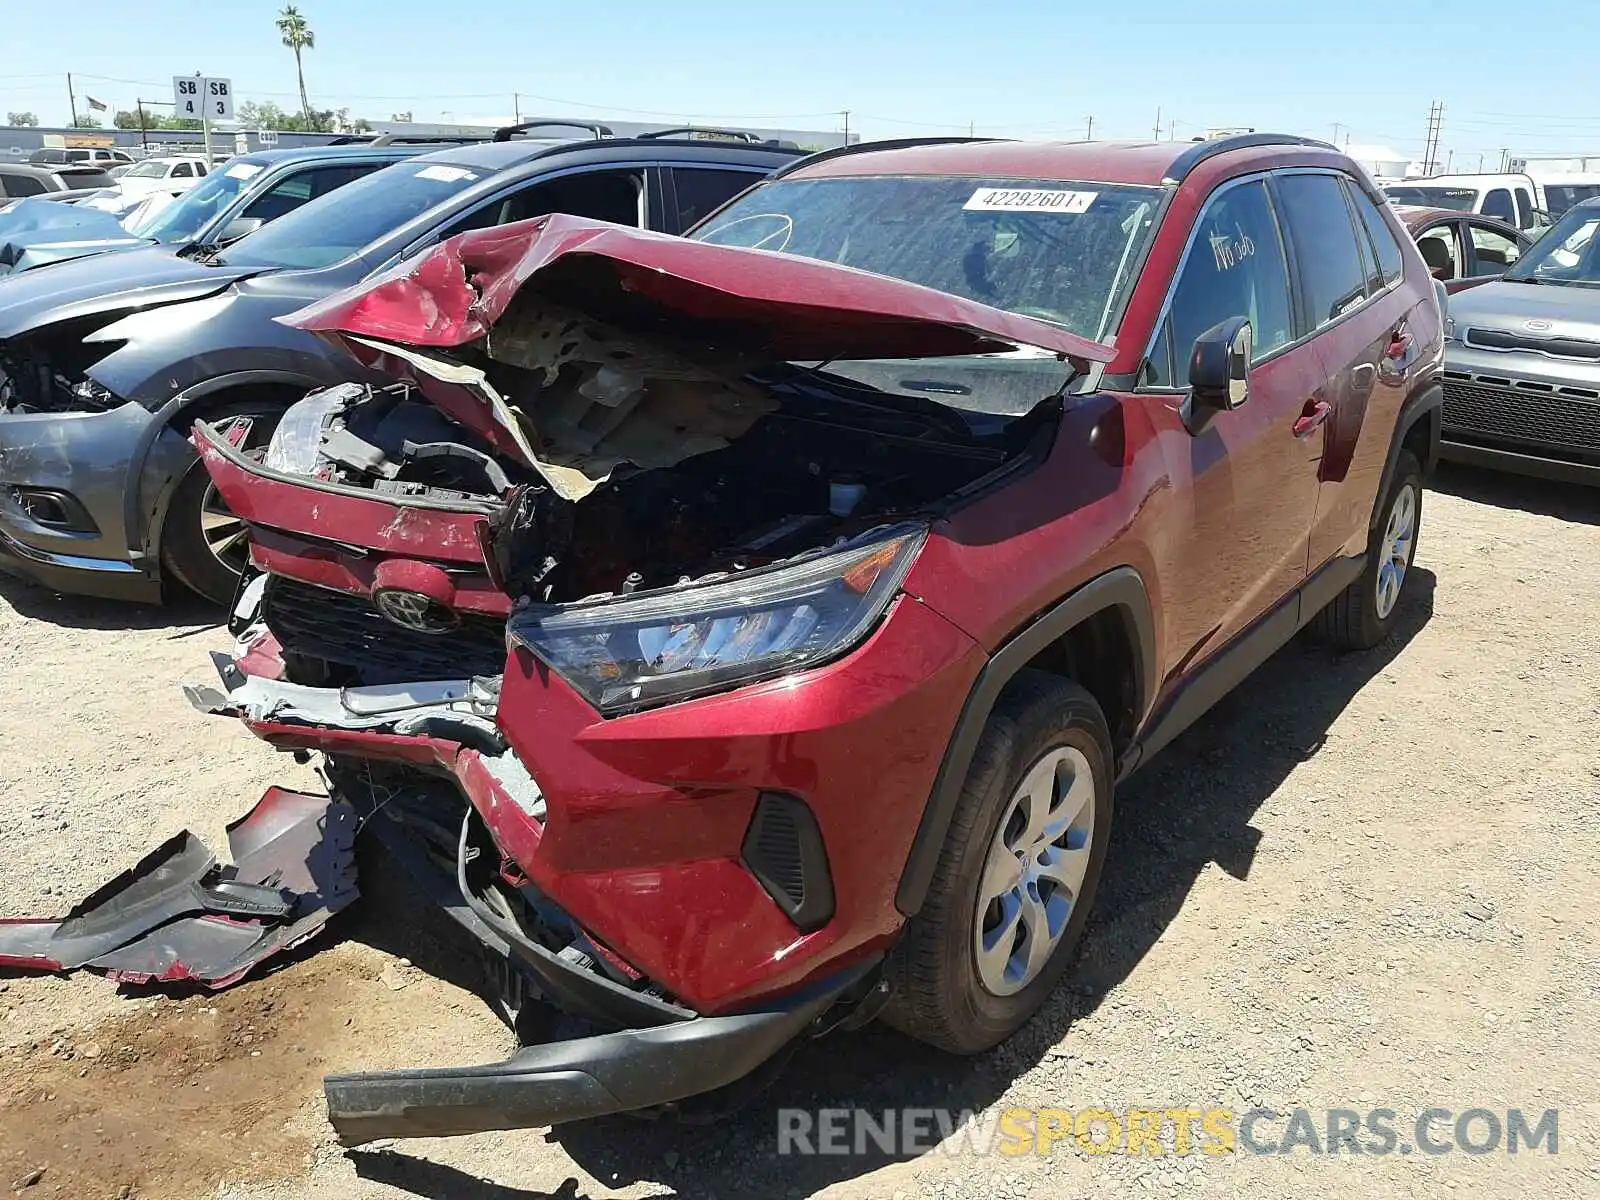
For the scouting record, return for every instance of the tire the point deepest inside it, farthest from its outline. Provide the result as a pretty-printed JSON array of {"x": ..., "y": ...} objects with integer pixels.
[
  {"x": 941, "y": 995},
  {"x": 186, "y": 555},
  {"x": 1364, "y": 614}
]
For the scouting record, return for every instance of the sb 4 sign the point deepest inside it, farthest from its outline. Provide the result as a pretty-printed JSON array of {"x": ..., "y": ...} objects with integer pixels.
[{"x": 202, "y": 98}]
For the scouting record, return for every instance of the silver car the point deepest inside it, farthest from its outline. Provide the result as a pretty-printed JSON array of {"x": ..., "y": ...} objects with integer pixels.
[{"x": 1522, "y": 360}]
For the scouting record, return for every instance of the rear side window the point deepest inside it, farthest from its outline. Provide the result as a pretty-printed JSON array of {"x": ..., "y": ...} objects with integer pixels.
[
  {"x": 1390, "y": 264},
  {"x": 702, "y": 191},
  {"x": 1234, "y": 268},
  {"x": 1498, "y": 204},
  {"x": 1524, "y": 209},
  {"x": 1329, "y": 259}
]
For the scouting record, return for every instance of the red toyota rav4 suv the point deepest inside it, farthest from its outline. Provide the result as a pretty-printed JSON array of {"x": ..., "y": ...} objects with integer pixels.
[{"x": 745, "y": 633}]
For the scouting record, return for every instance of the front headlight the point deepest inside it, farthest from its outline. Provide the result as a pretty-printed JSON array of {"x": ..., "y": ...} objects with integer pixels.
[{"x": 630, "y": 653}]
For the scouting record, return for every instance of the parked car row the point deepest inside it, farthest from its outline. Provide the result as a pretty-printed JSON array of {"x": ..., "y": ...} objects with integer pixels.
[{"x": 730, "y": 582}]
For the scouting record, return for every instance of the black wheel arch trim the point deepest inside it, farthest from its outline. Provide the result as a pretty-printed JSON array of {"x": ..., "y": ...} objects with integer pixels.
[
  {"x": 1425, "y": 403},
  {"x": 144, "y": 528},
  {"x": 1120, "y": 588}
]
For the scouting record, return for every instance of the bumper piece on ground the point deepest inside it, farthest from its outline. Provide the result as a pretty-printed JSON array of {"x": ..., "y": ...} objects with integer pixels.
[
  {"x": 179, "y": 915},
  {"x": 572, "y": 1080}
]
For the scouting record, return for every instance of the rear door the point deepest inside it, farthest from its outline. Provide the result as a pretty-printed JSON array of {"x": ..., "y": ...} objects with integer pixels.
[
  {"x": 1351, "y": 275},
  {"x": 1251, "y": 480}
]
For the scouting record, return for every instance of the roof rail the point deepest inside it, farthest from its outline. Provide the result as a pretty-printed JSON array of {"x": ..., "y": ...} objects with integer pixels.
[
  {"x": 887, "y": 144},
  {"x": 405, "y": 139},
  {"x": 709, "y": 132},
  {"x": 1200, "y": 151},
  {"x": 508, "y": 132}
]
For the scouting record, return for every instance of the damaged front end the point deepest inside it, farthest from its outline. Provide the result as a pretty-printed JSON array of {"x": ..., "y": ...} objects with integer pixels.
[{"x": 618, "y": 475}]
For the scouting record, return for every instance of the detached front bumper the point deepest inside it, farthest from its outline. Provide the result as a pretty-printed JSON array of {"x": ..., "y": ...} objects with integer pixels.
[
  {"x": 645, "y": 1051},
  {"x": 72, "y": 513}
]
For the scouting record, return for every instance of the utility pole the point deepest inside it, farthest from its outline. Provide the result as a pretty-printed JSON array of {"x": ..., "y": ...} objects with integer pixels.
[
  {"x": 144, "y": 136},
  {"x": 1338, "y": 125},
  {"x": 1505, "y": 160},
  {"x": 1172, "y": 130},
  {"x": 1480, "y": 164},
  {"x": 516, "y": 108},
  {"x": 845, "y": 112},
  {"x": 1449, "y": 159},
  {"x": 72, "y": 101},
  {"x": 1158, "y": 124},
  {"x": 972, "y": 129},
  {"x": 1089, "y": 134},
  {"x": 1430, "y": 154}
]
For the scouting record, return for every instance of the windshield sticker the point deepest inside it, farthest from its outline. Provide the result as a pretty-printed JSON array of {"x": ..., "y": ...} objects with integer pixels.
[
  {"x": 1059, "y": 200},
  {"x": 441, "y": 174},
  {"x": 242, "y": 171}
]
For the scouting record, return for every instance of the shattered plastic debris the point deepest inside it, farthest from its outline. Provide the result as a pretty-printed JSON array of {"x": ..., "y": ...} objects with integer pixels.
[{"x": 179, "y": 915}]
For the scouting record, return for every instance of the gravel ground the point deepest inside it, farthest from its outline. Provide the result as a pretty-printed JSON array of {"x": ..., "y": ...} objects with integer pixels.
[{"x": 1362, "y": 882}]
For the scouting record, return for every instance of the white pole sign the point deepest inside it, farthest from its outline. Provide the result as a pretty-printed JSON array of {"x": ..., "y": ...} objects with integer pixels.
[
  {"x": 187, "y": 100},
  {"x": 218, "y": 99}
]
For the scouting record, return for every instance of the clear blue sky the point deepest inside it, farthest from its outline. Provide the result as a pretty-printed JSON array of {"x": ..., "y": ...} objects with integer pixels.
[{"x": 1032, "y": 68}]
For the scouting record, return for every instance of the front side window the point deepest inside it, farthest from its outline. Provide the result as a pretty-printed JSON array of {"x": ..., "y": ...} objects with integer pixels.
[
  {"x": 702, "y": 190},
  {"x": 1235, "y": 267},
  {"x": 1493, "y": 251},
  {"x": 149, "y": 169},
  {"x": 183, "y": 171},
  {"x": 608, "y": 195},
  {"x": 1498, "y": 204},
  {"x": 1326, "y": 250}
]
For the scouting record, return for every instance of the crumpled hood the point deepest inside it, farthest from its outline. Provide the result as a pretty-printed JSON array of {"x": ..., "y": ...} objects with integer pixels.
[
  {"x": 779, "y": 305},
  {"x": 630, "y": 346},
  {"x": 106, "y": 283}
]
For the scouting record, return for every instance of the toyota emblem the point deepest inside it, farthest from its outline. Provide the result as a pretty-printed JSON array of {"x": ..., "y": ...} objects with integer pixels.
[
  {"x": 1537, "y": 326},
  {"x": 414, "y": 611}
]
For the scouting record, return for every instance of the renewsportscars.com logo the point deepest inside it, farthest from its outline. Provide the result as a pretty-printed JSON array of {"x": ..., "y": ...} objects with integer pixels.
[{"x": 1020, "y": 1131}]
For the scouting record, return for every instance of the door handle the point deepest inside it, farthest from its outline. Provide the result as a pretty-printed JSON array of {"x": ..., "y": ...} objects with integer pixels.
[{"x": 1315, "y": 415}]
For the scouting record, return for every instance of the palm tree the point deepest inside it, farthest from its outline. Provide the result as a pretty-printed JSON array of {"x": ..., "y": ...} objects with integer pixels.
[{"x": 297, "y": 36}]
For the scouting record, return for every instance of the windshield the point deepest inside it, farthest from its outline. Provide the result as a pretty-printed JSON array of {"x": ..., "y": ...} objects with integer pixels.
[
  {"x": 182, "y": 221},
  {"x": 1458, "y": 199},
  {"x": 333, "y": 227},
  {"x": 1058, "y": 251},
  {"x": 1566, "y": 254},
  {"x": 148, "y": 170}
]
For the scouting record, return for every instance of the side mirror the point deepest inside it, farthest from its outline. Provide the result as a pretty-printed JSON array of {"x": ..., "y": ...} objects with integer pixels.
[
  {"x": 238, "y": 228},
  {"x": 1219, "y": 368}
]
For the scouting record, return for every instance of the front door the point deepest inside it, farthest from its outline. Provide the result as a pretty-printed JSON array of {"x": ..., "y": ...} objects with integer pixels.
[{"x": 1247, "y": 476}]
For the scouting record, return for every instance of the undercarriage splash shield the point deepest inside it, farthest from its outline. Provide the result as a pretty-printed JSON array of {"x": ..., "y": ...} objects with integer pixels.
[{"x": 179, "y": 915}]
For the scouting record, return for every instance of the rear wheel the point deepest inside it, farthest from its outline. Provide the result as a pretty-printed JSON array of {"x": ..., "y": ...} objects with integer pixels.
[
  {"x": 203, "y": 544},
  {"x": 1363, "y": 615},
  {"x": 1011, "y": 894}
]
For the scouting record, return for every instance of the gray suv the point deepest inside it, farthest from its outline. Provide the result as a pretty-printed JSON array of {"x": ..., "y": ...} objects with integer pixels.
[{"x": 106, "y": 362}]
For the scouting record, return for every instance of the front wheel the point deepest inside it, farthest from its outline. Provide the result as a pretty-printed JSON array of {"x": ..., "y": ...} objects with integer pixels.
[
  {"x": 1017, "y": 874},
  {"x": 1363, "y": 615},
  {"x": 204, "y": 546}
]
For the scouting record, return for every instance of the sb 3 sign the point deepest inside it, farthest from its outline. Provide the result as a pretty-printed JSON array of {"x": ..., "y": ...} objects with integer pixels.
[{"x": 203, "y": 98}]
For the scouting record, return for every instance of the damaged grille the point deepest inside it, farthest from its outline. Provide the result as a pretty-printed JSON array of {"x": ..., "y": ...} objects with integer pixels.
[
  {"x": 348, "y": 630},
  {"x": 1551, "y": 420}
]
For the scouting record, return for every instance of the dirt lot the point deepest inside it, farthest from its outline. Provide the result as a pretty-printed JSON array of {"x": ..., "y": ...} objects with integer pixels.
[{"x": 1363, "y": 881}]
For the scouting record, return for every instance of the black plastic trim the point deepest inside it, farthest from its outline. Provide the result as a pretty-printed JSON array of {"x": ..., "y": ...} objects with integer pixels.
[
  {"x": 1232, "y": 665},
  {"x": 1118, "y": 588},
  {"x": 1531, "y": 465},
  {"x": 786, "y": 817},
  {"x": 1185, "y": 163}
]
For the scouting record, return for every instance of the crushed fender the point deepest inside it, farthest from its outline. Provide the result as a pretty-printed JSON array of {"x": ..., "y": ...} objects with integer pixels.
[{"x": 181, "y": 915}]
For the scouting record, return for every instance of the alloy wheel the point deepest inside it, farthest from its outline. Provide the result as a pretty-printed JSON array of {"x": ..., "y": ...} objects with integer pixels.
[
  {"x": 1035, "y": 871},
  {"x": 224, "y": 533},
  {"x": 1398, "y": 543}
]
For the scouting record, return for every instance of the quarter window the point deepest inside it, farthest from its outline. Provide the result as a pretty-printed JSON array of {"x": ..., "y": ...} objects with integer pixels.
[
  {"x": 1234, "y": 268},
  {"x": 1390, "y": 263},
  {"x": 702, "y": 190},
  {"x": 1329, "y": 259}
]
